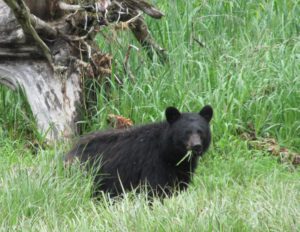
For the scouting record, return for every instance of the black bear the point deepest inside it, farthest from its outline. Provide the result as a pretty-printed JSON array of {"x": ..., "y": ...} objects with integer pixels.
[{"x": 152, "y": 155}]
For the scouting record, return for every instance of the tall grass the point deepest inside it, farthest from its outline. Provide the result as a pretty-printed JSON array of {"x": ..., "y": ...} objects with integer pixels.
[{"x": 248, "y": 70}]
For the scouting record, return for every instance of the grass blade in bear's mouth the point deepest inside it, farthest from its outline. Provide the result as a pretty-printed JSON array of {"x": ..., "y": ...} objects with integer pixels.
[{"x": 187, "y": 156}]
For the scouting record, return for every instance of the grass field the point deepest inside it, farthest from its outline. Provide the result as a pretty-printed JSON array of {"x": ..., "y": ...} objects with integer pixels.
[{"x": 248, "y": 70}]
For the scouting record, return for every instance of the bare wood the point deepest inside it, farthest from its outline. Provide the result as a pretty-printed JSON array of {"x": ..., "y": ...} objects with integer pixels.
[
  {"x": 128, "y": 12},
  {"x": 22, "y": 52},
  {"x": 145, "y": 7},
  {"x": 142, "y": 34},
  {"x": 22, "y": 14},
  {"x": 53, "y": 102}
]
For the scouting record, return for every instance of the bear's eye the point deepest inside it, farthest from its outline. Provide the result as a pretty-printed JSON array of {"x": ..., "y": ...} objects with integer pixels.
[{"x": 199, "y": 132}]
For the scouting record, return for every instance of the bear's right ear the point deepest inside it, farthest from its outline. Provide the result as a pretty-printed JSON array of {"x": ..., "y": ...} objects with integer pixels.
[
  {"x": 206, "y": 112},
  {"x": 172, "y": 114}
]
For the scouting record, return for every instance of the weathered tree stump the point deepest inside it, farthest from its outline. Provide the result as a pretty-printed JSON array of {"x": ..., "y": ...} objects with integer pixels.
[
  {"x": 47, "y": 59},
  {"x": 52, "y": 96}
]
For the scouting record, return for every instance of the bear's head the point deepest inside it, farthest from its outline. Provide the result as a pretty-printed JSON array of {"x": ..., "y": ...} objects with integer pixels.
[{"x": 189, "y": 131}]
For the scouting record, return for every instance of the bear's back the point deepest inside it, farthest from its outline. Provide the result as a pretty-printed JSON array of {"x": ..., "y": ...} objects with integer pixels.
[{"x": 130, "y": 155}]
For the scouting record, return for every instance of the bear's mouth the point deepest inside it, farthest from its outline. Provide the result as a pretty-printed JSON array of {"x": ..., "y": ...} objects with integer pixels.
[
  {"x": 196, "y": 150},
  {"x": 191, "y": 152}
]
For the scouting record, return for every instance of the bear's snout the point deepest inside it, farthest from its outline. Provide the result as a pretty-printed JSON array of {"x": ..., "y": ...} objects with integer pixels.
[{"x": 195, "y": 144}]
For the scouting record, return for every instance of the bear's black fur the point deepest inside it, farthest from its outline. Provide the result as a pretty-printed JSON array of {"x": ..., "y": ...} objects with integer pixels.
[{"x": 150, "y": 155}]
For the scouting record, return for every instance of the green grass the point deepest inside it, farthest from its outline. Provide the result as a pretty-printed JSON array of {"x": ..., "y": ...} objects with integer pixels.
[{"x": 249, "y": 71}]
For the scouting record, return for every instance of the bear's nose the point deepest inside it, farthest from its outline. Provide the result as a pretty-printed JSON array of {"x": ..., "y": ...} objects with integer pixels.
[{"x": 197, "y": 148}]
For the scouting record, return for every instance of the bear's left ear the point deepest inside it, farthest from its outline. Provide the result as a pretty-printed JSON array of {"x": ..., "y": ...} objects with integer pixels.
[
  {"x": 206, "y": 112},
  {"x": 172, "y": 114}
]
